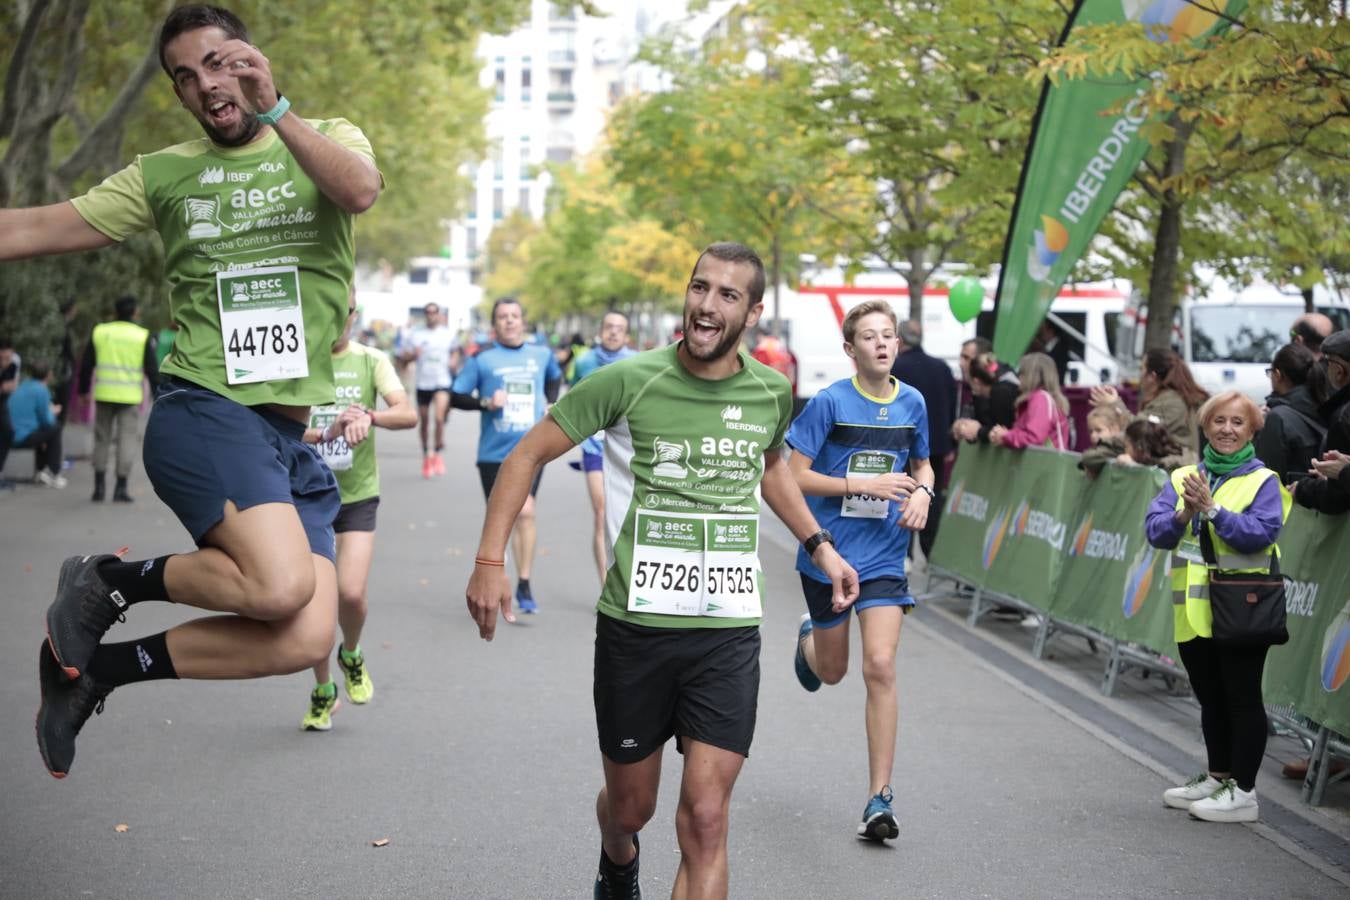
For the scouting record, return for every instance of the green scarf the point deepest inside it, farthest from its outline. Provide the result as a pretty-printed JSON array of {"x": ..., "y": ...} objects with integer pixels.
[{"x": 1224, "y": 463}]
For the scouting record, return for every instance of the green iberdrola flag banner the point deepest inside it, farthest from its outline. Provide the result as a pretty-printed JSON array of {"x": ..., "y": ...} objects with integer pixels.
[{"x": 1080, "y": 159}]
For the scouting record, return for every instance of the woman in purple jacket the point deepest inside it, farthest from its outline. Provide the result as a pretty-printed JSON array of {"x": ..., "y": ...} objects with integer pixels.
[{"x": 1242, "y": 505}]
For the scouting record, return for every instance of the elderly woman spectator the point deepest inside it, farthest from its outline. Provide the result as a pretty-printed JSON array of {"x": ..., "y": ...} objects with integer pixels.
[
  {"x": 1293, "y": 432},
  {"x": 1168, "y": 396},
  {"x": 1242, "y": 506},
  {"x": 994, "y": 389},
  {"x": 1042, "y": 410}
]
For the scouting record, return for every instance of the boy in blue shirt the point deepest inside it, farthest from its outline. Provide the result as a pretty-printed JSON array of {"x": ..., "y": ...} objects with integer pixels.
[
  {"x": 850, "y": 449},
  {"x": 509, "y": 382},
  {"x": 33, "y": 417}
]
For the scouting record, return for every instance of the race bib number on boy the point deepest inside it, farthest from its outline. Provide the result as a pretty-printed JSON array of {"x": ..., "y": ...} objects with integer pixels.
[
  {"x": 695, "y": 566},
  {"x": 863, "y": 466},
  {"x": 261, "y": 326}
]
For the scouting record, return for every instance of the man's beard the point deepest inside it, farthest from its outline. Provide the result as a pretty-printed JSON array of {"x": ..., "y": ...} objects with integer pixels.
[
  {"x": 248, "y": 131},
  {"x": 731, "y": 339}
]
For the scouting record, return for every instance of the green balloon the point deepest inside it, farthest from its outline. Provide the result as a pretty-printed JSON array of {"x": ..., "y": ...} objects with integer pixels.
[{"x": 965, "y": 298}]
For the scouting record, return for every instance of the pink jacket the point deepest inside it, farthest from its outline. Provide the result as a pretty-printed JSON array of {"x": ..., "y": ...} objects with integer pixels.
[{"x": 1039, "y": 424}]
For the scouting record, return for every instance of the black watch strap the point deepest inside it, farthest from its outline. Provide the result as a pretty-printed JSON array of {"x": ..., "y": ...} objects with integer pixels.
[{"x": 814, "y": 541}]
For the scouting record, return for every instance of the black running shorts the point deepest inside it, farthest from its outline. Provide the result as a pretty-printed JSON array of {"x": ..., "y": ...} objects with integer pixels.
[
  {"x": 358, "y": 516},
  {"x": 655, "y": 683},
  {"x": 487, "y": 476}
]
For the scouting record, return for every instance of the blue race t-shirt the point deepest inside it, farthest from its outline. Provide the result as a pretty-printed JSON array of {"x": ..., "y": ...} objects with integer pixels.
[
  {"x": 847, "y": 432},
  {"x": 594, "y": 359},
  {"x": 520, "y": 371}
]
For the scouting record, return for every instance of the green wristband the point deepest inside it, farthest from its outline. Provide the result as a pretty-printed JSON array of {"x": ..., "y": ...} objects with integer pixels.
[{"x": 273, "y": 115}]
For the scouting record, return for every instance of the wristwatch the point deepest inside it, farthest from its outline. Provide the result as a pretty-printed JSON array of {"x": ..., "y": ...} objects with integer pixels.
[
  {"x": 1212, "y": 513},
  {"x": 811, "y": 544},
  {"x": 932, "y": 494}
]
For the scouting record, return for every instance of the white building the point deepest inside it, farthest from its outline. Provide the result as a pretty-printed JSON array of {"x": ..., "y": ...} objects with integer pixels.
[{"x": 554, "y": 81}]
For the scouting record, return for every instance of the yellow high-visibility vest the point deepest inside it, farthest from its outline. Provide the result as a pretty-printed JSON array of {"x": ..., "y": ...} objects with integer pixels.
[
  {"x": 1191, "y": 613},
  {"x": 119, "y": 357}
]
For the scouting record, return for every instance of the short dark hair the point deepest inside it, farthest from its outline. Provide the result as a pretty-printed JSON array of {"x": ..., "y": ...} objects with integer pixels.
[
  {"x": 66, "y": 305},
  {"x": 198, "y": 15},
  {"x": 506, "y": 301},
  {"x": 39, "y": 369},
  {"x": 730, "y": 251},
  {"x": 125, "y": 307},
  {"x": 1293, "y": 361}
]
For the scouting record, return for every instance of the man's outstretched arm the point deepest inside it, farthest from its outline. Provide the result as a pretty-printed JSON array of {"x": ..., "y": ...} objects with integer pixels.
[{"x": 45, "y": 230}]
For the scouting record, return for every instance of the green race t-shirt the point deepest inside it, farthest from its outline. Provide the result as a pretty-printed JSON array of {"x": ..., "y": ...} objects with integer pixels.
[
  {"x": 244, "y": 228},
  {"x": 683, "y": 461},
  {"x": 363, "y": 374}
]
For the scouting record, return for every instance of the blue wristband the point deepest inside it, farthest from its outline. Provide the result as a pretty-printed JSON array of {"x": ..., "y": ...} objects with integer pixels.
[{"x": 273, "y": 115}]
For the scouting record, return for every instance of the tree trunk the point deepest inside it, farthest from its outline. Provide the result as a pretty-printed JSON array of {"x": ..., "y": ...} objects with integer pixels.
[
  {"x": 1162, "y": 282},
  {"x": 1308, "y": 300},
  {"x": 776, "y": 264}
]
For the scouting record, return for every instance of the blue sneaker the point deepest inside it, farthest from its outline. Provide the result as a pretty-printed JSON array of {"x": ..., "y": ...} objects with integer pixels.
[
  {"x": 525, "y": 600},
  {"x": 808, "y": 679},
  {"x": 878, "y": 822}
]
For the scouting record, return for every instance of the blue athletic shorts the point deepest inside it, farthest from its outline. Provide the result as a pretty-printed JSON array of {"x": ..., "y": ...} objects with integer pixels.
[
  {"x": 592, "y": 462},
  {"x": 202, "y": 449},
  {"x": 875, "y": 592}
]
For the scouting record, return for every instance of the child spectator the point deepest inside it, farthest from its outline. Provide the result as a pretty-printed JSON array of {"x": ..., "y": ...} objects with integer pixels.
[
  {"x": 1151, "y": 444},
  {"x": 34, "y": 419},
  {"x": 1106, "y": 427}
]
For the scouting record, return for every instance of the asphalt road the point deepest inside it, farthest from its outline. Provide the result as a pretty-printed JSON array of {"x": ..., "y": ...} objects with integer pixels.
[{"x": 478, "y": 762}]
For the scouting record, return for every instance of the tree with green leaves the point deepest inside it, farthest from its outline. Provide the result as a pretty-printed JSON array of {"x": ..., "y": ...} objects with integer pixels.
[
  {"x": 1253, "y": 136},
  {"x": 932, "y": 102},
  {"x": 723, "y": 155}
]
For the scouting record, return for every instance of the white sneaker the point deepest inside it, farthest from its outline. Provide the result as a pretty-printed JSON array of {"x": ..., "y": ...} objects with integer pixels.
[
  {"x": 50, "y": 480},
  {"x": 1198, "y": 788},
  {"x": 1229, "y": 803}
]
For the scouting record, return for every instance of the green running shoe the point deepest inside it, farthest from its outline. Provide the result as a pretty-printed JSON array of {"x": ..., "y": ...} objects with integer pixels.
[
  {"x": 322, "y": 705},
  {"x": 359, "y": 686}
]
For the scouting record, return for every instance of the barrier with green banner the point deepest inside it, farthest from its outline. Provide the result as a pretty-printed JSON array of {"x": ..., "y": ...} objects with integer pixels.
[
  {"x": 1029, "y": 525},
  {"x": 1310, "y": 673}
]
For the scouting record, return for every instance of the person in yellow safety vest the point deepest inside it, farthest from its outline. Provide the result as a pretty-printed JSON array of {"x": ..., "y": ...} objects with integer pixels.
[
  {"x": 119, "y": 358},
  {"x": 1244, "y": 506}
]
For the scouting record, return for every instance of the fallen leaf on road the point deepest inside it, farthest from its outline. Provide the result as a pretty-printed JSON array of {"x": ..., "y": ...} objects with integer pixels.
[
  {"x": 122, "y": 828},
  {"x": 382, "y": 842}
]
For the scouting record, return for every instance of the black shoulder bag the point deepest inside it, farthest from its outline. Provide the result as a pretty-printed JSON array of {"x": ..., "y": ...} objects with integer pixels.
[{"x": 1248, "y": 607}]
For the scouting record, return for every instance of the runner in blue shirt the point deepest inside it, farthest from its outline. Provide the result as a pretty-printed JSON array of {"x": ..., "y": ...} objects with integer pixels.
[
  {"x": 850, "y": 449},
  {"x": 509, "y": 381},
  {"x": 613, "y": 347}
]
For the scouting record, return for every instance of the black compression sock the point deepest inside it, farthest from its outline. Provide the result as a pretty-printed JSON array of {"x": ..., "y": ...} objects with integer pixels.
[
  {"x": 132, "y": 661},
  {"x": 523, "y": 585},
  {"x": 137, "y": 581}
]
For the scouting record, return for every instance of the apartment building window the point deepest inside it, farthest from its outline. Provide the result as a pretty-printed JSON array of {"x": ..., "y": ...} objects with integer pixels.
[
  {"x": 523, "y": 204},
  {"x": 471, "y": 242},
  {"x": 498, "y": 166},
  {"x": 560, "y": 86},
  {"x": 525, "y": 76},
  {"x": 562, "y": 46},
  {"x": 498, "y": 199},
  {"x": 499, "y": 86},
  {"x": 524, "y": 156}
]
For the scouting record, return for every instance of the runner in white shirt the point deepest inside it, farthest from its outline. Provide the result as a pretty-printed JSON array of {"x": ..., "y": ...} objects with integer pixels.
[{"x": 430, "y": 348}]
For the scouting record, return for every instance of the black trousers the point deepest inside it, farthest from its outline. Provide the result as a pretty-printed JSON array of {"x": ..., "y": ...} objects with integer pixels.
[
  {"x": 929, "y": 533},
  {"x": 1227, "y": 682},
  {"x": 46, "y": 445}
]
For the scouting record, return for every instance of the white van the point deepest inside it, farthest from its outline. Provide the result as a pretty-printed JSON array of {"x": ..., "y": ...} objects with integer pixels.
[
  {"x": 813, "y": 317},
  {"x": 1228, "y": 338}
]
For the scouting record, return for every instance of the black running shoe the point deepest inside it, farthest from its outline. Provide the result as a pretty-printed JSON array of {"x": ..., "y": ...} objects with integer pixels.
[
  {"x": 618, "y": 883},
  {"x": 84, "y": 609},
  {"x": 66, "y": 706}
]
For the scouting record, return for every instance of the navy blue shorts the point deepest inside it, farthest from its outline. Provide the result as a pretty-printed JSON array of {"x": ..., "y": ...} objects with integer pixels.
[
  {"x": 592, "y": 462},
  {"x": 202, "y": 449},
  {"x": 885, "y": 591}
]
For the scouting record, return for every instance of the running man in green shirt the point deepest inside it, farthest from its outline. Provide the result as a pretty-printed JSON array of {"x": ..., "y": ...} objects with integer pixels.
[
  {"x": 363, "y": 374},
  {"x": 256, "y": 219},
  {"x": 693, "y": 439}
]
